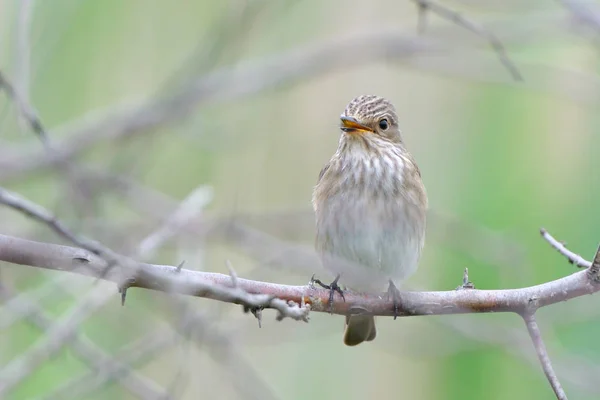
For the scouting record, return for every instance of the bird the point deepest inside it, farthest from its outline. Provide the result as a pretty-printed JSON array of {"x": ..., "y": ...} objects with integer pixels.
[{"x": 370, "y": 206}]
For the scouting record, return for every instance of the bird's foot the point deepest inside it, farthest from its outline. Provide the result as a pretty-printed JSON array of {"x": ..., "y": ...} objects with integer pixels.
[
  {"x": 394, "y": 294},
  {"x": 333, "y": 287}
]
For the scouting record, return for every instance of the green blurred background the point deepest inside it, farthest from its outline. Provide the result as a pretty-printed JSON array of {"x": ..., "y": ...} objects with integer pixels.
[{"x": 499, "y": 158}]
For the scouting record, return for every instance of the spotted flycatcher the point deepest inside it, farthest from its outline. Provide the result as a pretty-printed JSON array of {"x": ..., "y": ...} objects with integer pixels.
[{"x": 370, "y": 206}]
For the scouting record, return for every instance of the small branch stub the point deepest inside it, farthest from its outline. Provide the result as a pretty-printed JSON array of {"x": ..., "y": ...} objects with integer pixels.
[
  {"x": 466, "y": 283},
  {"x": 594, "y": 270}
]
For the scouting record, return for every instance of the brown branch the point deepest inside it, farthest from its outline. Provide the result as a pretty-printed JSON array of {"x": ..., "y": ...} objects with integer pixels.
[
  {"x": 289, "y": 301},
  {"x": 254, "y": 294},
  {"x": 540, "y": 348},
  {"x": 271, "y": 295}
]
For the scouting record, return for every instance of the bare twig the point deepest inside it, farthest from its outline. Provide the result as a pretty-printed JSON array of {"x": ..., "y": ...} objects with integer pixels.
[
  {"x": 135, "y": 353},
  {"x": 24, "y": 109},
  {"x": 94, "y": 355},
  {"x": 451, "y": 15},
  {"x": 188, "y": 210},
  {"x": 573, "y": 258},
  {"x": 60, "y": 333},
  {"x": 42, "y": 215},
  {"x": 226, "y": 84},
  {"x": 540, "y": 348}
]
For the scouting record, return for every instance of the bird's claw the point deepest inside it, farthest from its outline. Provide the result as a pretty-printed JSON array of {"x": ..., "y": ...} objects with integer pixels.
[
  {"x": 394, "y": 294},
  {"x": 333, "y": 287}
]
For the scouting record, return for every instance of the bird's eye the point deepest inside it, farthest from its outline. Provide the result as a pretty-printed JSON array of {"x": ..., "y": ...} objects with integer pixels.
[{"x": 383, "y": 124}]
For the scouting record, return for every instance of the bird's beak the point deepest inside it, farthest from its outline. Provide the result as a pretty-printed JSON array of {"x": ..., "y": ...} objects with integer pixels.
[{"x": 351, "y": 125}]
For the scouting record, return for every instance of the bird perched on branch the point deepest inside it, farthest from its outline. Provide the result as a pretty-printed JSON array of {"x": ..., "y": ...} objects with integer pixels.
[{"x": 370, "y": 206}]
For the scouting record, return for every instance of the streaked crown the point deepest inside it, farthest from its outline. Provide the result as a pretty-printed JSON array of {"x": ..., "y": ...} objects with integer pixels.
[{"x": 368, "y": 108}]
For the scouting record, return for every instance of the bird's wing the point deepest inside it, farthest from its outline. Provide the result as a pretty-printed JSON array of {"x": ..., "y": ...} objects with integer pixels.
[{"x": 325, "y": 168}]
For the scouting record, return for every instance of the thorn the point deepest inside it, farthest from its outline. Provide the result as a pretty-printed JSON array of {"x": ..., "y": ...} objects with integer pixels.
[
  {"x": 466, "y": 283},
  {"x": 232, "y": 274},
  {"x": 123, "y": 289},
  {"x": 258, "y": 314},
  {"x": 178, "y": 269},
  {"x": 396, "y": 297},
  {"x": 123, "y": 296}
]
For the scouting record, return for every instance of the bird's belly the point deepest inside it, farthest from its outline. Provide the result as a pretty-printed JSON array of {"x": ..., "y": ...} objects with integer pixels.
[{"x": 380, "y": 237}]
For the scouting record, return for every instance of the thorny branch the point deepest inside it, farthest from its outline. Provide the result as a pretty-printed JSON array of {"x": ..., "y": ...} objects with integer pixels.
[
  {"x": 271, "y": 295},
  {"x": 296, "y": 301},
  {"x": 93, "y": 259}
]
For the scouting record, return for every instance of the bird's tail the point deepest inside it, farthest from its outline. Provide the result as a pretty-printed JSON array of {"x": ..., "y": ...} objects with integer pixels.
[{"x": 359, "y": 328}]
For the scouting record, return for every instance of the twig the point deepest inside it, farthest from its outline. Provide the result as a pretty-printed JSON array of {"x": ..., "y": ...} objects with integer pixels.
[
  {"x": 226, "y": 84},
  {"x": 189, "y": 209},
  {"x": 578, "y": 372},
  {"x": 451, "y": 15},
  {"x": 42, "y": 215},
  {"x": 25, "y": 111},
  {"x": 98, "y": 360},
  {"x": 61, "y": 332},
  {"x": 137, "y": 352},
  {"x": 573, "y": 258},
  {"x": 540, "y": 348}
]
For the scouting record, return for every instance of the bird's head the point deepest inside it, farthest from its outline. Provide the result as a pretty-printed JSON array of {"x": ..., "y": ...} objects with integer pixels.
[{"x": 371, "y": 115}]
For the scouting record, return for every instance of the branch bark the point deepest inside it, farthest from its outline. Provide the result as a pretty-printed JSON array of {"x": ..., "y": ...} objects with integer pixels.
[
  {"x": 540, "y": 348},
  {"x": 295, "y": 302},
  {"x": 253, "y": 294}
]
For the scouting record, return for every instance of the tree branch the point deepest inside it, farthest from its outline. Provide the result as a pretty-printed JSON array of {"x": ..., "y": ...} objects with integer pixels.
[
  {"x": 290, "y": 301},
  {"x": 540, "y": 348},
  {"x": 573, "y": 258},
  {"x": 253, "y": 294},
  {"x": 226, "y": 84}
]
